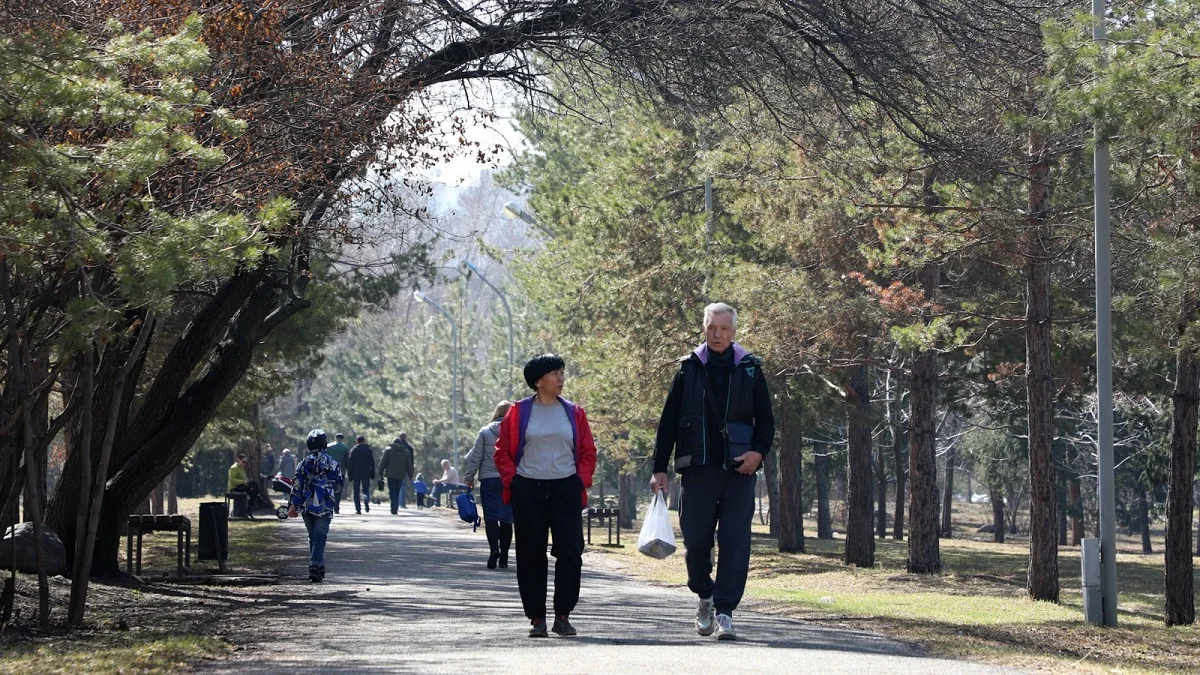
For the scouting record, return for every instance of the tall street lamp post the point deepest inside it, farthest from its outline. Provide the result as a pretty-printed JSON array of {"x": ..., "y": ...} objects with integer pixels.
[
  {"x": 454, "y": 368},
  {"x": 509, "y": 376},
  {"x": 1106, "y": 491}
]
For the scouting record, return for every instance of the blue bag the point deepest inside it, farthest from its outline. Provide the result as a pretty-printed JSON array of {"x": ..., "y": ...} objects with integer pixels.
[{"x": 467, "y": 510}]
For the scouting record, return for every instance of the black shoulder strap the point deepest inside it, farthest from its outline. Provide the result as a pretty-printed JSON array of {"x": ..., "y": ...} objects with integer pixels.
[{"x": 710, "y": 400}]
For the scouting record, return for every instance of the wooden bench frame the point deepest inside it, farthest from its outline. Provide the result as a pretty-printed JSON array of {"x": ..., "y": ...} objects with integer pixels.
[
  {"x": 140, "y": 524},
  {"x": 607, "y": 517}
]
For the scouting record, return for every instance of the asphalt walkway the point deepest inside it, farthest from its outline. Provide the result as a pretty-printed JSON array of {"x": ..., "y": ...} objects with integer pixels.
[{"x": 410, "y": 594}]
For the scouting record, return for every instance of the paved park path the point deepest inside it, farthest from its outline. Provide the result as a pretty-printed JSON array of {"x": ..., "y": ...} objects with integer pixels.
[{"x": 410, "y": 594}]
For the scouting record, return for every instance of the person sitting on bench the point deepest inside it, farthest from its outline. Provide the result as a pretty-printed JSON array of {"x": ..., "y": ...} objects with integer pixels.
[
  {"x": 239, "y": 482},
  {"x": 447, "y": 483}
]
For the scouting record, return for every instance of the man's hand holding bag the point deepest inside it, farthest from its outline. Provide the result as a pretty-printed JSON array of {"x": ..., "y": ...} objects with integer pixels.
[{"x": 657, "y": 538}]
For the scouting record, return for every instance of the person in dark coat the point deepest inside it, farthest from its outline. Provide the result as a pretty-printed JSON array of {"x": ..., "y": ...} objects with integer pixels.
[
  {"x": 362, "y": 472},
  {"x": 397, "y": 467},
  {"x": 718, "y": 422}
]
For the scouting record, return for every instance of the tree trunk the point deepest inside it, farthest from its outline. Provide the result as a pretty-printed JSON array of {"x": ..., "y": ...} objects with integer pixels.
[
  {"x": 673, "y": 495},
  {"x": 1060, "y": 494},
  {"x": 924, "y": 555},
  {"x": 157, "y": 497},
  {"x": 899, "y": 441},
  {"x": 627, "y": 498},
  {"x": 996, "y": 496},
  {"x": 771, "y": 471},
  {"x": 1043, "y": 545},
  {"x": 860, "y": 539},
  {"x": 1144, "y": 517},
  {"x": 790, "y": 485},
  {"x": 948, "y": 499},
  {"x": 1075, "y": 492},
  {"x": 19, "y": 368},
  {"x": 821, "y": 468},
  {"x": 39, "y": 371},
  {"x": 173, "y": 492},
  {"x": 1180, "y": 598},
  {"x": 881, "y": 483},
  {"x": 153, "y": 446}
]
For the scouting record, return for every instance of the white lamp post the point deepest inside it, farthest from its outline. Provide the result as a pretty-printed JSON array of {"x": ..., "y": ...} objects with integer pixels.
[
  {"x": 466, "y": 263},
  {"x": 1106, "y": 484},
  {"x": 454, "y": 369}
]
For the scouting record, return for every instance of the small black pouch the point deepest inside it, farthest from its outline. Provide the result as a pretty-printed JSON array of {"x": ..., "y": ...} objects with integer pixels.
[{"x": 739, "y": 437}]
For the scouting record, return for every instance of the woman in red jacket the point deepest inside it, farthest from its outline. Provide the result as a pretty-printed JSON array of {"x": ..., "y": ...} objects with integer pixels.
[{"x": 546, "y": 457}]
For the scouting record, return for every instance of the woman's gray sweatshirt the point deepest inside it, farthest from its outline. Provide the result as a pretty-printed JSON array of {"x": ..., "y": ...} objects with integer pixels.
[{"x": 482, "y": 458}]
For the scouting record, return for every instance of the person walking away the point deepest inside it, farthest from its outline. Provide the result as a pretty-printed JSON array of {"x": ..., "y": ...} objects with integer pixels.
[
  {"x": 287, "y": 464},
  {"x": 412, "y": 453},
  {"x": 722, "y": 386},
  {"x": 446, "y": 483},
  {"x": 396, "y": 466},
  {"x": 340, "y": 453},
  {"x": 318, "y": 478},
  {"x": 546, "y": 457},
  {"x": 421, "y": 489},
  {"x": 497, "y": 516},
  {"x": 362, "y": 472}
]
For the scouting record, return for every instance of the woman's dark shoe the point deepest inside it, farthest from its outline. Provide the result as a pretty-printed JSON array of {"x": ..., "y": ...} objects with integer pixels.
[
  {"x": 538, "y": 629},
  {"x": 504, "y": 560},
  {"x": 563, "y": 627},
  {"x": 492, "y": 560}
]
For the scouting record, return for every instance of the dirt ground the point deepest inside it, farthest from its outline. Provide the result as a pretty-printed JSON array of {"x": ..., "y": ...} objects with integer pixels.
[{"x": 156, "y": 623}]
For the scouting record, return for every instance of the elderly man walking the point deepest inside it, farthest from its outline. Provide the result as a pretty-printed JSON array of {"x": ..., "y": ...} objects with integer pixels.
[{"x": 718, "y": 421}]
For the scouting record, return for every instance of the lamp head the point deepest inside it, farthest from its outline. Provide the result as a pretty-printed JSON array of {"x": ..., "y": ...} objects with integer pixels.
[{"x": 419, "y": 296}]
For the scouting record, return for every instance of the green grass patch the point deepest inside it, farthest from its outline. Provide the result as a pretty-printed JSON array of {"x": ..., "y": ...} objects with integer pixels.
[
  {"x": 166, "y": 655},
  {"x": 251, "y": 543},
  {"x": 977, "y": 608}
]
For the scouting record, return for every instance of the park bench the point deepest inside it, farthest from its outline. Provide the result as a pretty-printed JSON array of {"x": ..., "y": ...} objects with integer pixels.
[
  {"x": 139, "y": 524},
  {"x": 610, "y": 518},
  {"x": 241, "y": 506}
]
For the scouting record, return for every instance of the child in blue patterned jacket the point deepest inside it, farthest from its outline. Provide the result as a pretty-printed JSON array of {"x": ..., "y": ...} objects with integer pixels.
[{"x": 318, "y": 480}]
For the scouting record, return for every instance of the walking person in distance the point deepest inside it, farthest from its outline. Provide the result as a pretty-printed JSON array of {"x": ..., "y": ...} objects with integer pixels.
[
  {"x": 397, "y": 467},
  {"x": 362, "y": 472},
  {"x": 546, "y": 457}
]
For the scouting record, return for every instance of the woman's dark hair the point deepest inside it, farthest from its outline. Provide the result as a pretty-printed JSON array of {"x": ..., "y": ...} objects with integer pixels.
[{"x": 539, "y": 366}]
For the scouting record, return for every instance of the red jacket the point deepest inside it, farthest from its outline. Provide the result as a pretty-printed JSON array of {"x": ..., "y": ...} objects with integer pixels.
[{"x": 511, "y": 444}]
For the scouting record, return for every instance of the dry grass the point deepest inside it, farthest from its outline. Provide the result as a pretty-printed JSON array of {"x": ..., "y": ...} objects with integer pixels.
[
  {"x": 975, "y": 609},
  {"x": 250, "y": 548},
  {"x": 147, "y": 628}
]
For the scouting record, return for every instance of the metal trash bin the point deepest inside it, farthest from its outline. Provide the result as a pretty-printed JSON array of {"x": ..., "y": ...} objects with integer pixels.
[
  {"x": 1089, "y": 562},
  {"x": 214, "y": 533}
]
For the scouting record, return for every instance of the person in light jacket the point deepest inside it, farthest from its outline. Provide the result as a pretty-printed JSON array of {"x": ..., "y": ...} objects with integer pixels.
[
  {"x": 497, "y": 516},
  {"x": 546, "y": 457}
]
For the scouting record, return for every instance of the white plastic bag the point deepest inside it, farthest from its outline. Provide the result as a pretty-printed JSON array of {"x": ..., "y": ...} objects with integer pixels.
[{"x": 657, "y": 539}]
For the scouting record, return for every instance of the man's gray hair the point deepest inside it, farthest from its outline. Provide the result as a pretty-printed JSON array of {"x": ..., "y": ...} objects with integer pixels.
[{"x": 719, "y": 308}]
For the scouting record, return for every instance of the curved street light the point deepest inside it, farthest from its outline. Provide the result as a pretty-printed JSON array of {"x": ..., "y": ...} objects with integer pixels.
[
  {"x": 504, "y": 300},
  {"x": 421, "y": 297},
  {"x": 514, "y": 211}
]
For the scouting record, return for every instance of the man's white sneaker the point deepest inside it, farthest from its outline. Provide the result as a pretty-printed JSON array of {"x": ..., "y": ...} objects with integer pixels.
[
  {"x": 725, "y": 627},
  {"x": 704, "y": 617}
]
